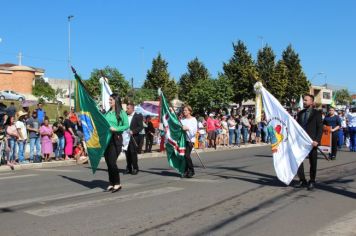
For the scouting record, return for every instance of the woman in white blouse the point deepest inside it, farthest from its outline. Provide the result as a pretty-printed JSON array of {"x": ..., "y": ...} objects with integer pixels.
[{"x": 190, "y": 126}]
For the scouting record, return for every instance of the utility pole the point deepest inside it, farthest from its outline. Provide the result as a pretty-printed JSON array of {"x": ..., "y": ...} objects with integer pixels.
[{"x": 69, "y": 63}]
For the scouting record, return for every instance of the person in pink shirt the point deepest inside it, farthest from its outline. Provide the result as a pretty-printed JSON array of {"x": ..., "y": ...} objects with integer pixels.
[
  {"x": 46, "y": 134},
  {"x": 210, "y": 128}
]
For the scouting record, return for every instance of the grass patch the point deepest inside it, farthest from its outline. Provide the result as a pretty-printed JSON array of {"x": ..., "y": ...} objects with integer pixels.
[{"x": 52, "y": 110}]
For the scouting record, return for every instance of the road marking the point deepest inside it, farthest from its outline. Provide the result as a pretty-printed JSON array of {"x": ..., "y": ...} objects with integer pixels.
[
  {"x": 11, "y": 173},
  {"x": 56, "y": 170},
  {"x": 54, "y": 210},
  {"x": 197, "y": 180},
  {"x": 345, "y": 225},
  {"x": 58, "y": 196},
  {"x": 17, "y": 176}
]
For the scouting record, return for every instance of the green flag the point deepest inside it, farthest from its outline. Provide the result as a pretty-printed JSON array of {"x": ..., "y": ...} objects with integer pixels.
[
  {"x": 175, "y": 137},
  {"x": 96, "y": 129},
  {"x": 333, "y": 100}
]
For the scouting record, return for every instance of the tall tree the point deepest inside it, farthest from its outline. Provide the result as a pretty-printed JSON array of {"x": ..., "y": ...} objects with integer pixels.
[
  {"x": 222, "y": 92},
  {"x": 279, "y": 81},
  {"x": 158, "y": 77},
  {"x": 116, "y": 81},
  {"x": 200, "y": 96},
  {"x": 342, "y": 97},
  {"x": 242, "y": 73},
  {"x": 43, "y": 89},
  {"x": 196, "y": 72},
  {"x": 265, "y": 67},
  {"x": 297, "y": 81}
]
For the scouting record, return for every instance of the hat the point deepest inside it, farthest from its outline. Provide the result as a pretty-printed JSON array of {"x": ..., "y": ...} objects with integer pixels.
[
  {"x": 21, "y": 113},
  {"x": 211, "y": 114}
]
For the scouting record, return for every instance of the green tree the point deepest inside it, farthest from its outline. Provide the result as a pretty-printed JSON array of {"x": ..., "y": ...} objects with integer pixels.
[
  {"x": 297, "y": 81},
  {"x": 116, "y": 81},
  {"x": 43, "y": 89},
  {"x": 158, "y": 77},
  {"x": 342, "y": 97},
  {"x": 200, "y": 96},
  {"x": 144, "y": 95},
  {"x": 279, "y": 81},
  {"x": 196, "y": 72},
  {"x": 242, "y": 73},
  {"x": 266, "y": 66},
  {"x": 222, "y": 92}
]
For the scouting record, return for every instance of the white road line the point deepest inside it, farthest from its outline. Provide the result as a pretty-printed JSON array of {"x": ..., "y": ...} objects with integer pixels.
[
  {"x": 197, "y": 180},
  {"x": 58, "y": 196},
  {"x": 8, "y": 173},
  {"x": 61, "y": 209},
  {"x": 345, "y": 226},
  {"x": 56, "y": 170},
  {"x": 17, "y": 176}
]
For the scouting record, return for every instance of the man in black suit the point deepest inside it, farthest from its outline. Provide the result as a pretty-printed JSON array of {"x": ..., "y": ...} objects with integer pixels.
[
  {"x": 136, "y": 126},
  {"x": 311, "y": 121}
]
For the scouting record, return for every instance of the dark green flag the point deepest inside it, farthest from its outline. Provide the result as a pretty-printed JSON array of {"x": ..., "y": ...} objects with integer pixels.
[{"x": 95, "y": 127}]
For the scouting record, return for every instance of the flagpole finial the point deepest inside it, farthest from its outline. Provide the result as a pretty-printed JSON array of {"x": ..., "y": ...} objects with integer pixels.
[
  {"x": 73, "y": 70},
  {"x": 258, "y": 86}
]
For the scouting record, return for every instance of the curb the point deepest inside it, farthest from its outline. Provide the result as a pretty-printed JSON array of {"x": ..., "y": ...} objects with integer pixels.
[{"x": 54, "y": 164}]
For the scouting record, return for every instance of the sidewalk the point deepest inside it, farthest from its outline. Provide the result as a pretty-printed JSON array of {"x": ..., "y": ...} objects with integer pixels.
[{"x": 154, "y": 154}]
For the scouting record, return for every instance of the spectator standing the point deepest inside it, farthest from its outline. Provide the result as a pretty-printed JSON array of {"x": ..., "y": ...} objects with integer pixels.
[
  {"x": 46, "y": 141},
  {"x": 11, "y": 110},
  {"x": 58, "y": 129},
  {"x": 224, "y": 131},
  {"x": 232, "y": 128},
  {"x": 351, "y": 118},
  {"x": 149, "y": 131},
  {"x": 210, "y": 128},
  {"x": 41, "y": 113},
  {"x": 21, "y": 142},
  {"x": 69, "y": 136},
  {"x": 245, "y": 127},
  {"x": 12, "y": 137},
  {"x": 238, "y": 128},
  {"x": 33, "y": 125}
]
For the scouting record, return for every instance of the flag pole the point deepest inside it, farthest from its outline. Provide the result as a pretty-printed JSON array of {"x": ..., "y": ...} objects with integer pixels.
[
  {"x": 188, "y": 138},
  {"x": 325, "y": 156}
]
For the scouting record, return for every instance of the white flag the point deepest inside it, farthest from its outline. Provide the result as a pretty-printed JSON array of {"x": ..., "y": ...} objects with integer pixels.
[
  {"x": 300, "y": 104},
  {"x": 290, "y": 143},
  {"x": 105, "y": 93}
]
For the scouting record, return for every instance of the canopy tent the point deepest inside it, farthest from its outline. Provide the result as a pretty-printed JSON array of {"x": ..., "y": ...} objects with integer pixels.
[{"x": 148, "y": 108}]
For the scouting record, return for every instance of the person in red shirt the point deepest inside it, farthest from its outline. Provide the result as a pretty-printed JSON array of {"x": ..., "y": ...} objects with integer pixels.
[{"x": 210, "y": 128}]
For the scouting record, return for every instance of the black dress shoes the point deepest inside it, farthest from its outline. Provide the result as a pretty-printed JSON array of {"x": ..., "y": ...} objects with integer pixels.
[
  {"x": 134, "y": 172},
  {"x": 127, "y": 171},
  {"x": 301, "y": 184},
  {"x": 311, "y": 185}
]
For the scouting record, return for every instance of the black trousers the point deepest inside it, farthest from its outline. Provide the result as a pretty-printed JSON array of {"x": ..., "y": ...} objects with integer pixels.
[
  {"x": 131, "y": 154},
  {"x": 141, "y": 139},
  {"x": 189, "y": 163},
  {"x": 313, "y": 157},
  {"x": 149, "y": 142},
  {"x": 111, "y": 154},
  {"x": 334, "y": 140}
]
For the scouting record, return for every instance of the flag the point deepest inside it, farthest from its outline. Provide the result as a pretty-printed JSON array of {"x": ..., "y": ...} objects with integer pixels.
[
  {"x": 105, "y": 93},
  {"x": 290, "y": 143},
  {"x": 175, "y": 137},
  {"x": 333, "y": 101},
  {"x": 300, "y": 104},
  {"x": 258, "y": 108},
  {"x": 96, "y": 129}
]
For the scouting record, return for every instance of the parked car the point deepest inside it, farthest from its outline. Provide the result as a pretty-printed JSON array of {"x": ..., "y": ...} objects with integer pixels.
[{"x": 11, "y": 95}]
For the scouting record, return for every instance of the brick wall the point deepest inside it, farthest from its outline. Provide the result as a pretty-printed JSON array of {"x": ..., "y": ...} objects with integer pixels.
[{"x": 19, "y": 81}]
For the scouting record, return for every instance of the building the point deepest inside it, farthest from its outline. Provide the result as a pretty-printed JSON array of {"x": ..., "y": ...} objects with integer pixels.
[
  {"x": 61, "y": 84},
  {"x": 19, "y": 78},
  {"x": 323, "y": 96}
]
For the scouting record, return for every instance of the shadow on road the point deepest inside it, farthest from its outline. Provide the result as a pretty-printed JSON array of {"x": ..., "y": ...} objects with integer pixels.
[
  {"x": 162, "y": 173},
  {"x": 89, "y": 184}
]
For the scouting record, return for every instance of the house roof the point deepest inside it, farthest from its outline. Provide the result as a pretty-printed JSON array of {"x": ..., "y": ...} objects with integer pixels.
[{"x": 14, "y": 67}]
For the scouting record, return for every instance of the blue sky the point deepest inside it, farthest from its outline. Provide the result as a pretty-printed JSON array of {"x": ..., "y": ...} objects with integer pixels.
[{"x": 129, "y": 34}]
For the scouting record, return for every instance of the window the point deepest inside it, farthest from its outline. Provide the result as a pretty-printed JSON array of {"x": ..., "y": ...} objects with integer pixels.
[{"x": 326, "y": 95}]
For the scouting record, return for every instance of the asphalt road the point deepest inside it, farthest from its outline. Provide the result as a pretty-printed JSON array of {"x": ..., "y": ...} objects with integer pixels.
[{"x": 238, "y": 194}]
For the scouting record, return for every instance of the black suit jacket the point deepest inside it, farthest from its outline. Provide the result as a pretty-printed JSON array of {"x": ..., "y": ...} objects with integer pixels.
[
  {"x": 136, "y": 125},
  {"x": 314, "y": 127}
]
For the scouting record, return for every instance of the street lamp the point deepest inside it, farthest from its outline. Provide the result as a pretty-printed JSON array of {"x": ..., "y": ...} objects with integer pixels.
[
  {"x": 69, "y": 62},
  {"x": 262, "y": 42}
]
